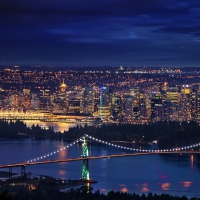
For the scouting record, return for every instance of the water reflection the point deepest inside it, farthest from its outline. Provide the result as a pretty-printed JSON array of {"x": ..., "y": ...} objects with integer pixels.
[
  {"x": 165, "y": 186},
  {"x": 186, "y": 184},
  {"x": 88, "y": 187},
  {"x": 58, "y": 126},
  {"x": 141, "y": 174},
  {"x": 103, "y": 190},
  {"x": 176, "y": 159},
  {"x": 124, "y": 190},
  {"x": 192, "y": 161},
  {"x": 62, "y": 172},
  {"x": 145, "y": 187}
]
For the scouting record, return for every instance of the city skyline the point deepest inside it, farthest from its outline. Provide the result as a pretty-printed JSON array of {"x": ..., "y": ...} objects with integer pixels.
[
  {"x": 137, "y": 97},
  {"x": 128, "y": 33}
]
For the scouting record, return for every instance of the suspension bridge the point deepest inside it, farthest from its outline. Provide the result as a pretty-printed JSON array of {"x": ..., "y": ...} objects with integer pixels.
[{"x": 85, "y": 157}]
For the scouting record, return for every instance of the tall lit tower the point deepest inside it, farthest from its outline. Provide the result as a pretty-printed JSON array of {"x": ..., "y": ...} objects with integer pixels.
[
  {"x": 116, "y": 105},
  {"x": 105, "y": 103},
  {"x": 128, "y": 107},
  {"x": 156, "y": 108},
  {"x": 185, "y": 103},
  {"x": 44, "y": 100},
  {"x": 198, "y": 106},
  {"x": 63, "y": 87},
  {"x": 88, "y": 100},
  {"x": 60, "y": 99}
]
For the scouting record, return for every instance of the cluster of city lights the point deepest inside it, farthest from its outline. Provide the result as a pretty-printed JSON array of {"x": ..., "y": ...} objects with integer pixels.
[{"x": 113, "y": 145}]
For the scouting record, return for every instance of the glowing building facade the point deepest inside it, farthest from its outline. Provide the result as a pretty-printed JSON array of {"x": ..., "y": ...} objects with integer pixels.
[{"x": 104, "y": 102}]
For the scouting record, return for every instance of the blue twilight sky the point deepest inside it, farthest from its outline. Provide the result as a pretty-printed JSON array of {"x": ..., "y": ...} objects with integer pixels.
[{"x": 104, "y": 32}]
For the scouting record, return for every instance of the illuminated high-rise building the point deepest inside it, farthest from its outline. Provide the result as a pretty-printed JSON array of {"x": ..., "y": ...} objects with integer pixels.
[
  {"x": 74, "y": 100},
  {"x": 197, "y": 106},
  {"x": 136, "y": 108},
  {"x": 185, "y": 103},
  {"x": 158, "y": 86},
  {"x": 14, "y": 101},
  {"x": 88, "y": 100},
  {"x": 34, "y": 102},
  {"x": 59, "y": 103},
  {"x": 135, "y": 92},
  {"x": 164, "y": 86},
  {"x": 74, "y": 106},
  {"x": 63, "y": 87},
  {"x": 105, "y": 102},
  {"x": 166, "y": 110},
  {"x": 156, "y": 108},
  {"x": 96, "y": 101},
  {"x": 128, "y": 107},
  {"x": 45, "y": 100},
  {"x": 143, "y": 106},
  {"x": 172, "y": 95},
  {"x": 116, "y": 105},
  {"x": 174, "y": 112},
  {"x": 26, "y": 99},
  {"x": 194, "y": 102}
]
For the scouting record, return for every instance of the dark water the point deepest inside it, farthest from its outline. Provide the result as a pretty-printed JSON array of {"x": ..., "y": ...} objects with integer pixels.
[{"x": 175, "y": 175}]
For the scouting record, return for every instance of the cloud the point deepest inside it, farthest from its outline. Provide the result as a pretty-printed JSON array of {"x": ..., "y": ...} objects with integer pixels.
[
  {"x": 112, "y": 31},
  {"x": 179, "y": 29}
]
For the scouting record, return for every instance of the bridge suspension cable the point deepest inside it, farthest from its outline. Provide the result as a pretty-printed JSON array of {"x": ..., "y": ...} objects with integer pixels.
[
  {"x": 145, "y": 150},
  {"x": 184, "y": 148},
  {"x": 55, "y": 151}
]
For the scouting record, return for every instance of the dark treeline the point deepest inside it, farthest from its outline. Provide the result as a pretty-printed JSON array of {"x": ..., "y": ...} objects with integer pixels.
[
  {"x": 14, "y": 128},
  {"x": 81, "y": 194},
  {"x": 168, "y": 134}
]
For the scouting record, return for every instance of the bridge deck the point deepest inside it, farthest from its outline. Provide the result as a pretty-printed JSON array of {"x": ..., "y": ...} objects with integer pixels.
[{"x": 94, "y": 157}]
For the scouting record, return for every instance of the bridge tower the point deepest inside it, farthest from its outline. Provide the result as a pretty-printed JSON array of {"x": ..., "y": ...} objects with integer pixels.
[{"x": 85, "y": 165}]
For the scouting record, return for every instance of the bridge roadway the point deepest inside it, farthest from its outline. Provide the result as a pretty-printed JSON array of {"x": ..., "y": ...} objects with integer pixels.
[{"x": 94, "y": 157}]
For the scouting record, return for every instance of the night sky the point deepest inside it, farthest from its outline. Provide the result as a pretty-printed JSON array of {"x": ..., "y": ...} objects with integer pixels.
[{"x": 163, "y": 33}]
